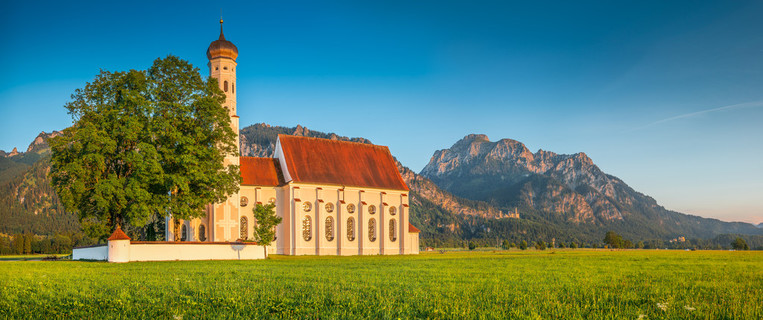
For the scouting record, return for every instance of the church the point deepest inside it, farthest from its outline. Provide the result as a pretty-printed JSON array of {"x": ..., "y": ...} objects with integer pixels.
[{"x": 335, "y": 197}]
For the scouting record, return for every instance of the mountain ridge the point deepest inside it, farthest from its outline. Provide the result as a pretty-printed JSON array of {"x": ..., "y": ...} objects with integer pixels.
[{"x": 570, "y": 187}]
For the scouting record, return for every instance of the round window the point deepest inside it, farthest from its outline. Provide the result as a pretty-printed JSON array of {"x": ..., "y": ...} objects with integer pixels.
[
  {"x": 244, "y": 201},
  {"x": 307, "y": 206},
  {"x": 371, "y": 209},
  {"x": 329, "y": 207},
  {"x": 392, "y": 210},
  {"x": 351, "y": 208}
]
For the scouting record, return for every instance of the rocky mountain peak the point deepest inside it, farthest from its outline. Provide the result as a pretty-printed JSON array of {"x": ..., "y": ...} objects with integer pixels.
[
  {"x": 41, "y": 141},
  {"x": 509, "y": 163},
  {"x": 301, "y": 131}
]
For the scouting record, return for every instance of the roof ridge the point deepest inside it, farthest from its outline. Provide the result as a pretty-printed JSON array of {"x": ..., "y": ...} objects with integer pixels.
[{"x": 333, "y": 140}]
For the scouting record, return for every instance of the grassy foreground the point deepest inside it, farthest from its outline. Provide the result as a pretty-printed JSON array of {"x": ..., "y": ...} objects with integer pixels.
[{"x": 574, "y": 284}]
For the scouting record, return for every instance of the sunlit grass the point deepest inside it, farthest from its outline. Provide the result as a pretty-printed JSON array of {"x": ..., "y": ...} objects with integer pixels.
[{"x": 562, "y": 284}]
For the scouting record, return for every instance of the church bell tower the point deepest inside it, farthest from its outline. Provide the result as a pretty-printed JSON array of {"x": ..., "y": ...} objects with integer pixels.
[
  {"x": 222, "y": 56},
  {"x": 224, "y": 217}
]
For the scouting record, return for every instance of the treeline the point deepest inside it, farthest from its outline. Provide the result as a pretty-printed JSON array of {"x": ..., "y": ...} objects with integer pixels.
[{"x": 29, "y": 243}]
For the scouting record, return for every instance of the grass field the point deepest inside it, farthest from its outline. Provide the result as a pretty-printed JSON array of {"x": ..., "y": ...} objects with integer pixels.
[{"x": 573, "y": 284}]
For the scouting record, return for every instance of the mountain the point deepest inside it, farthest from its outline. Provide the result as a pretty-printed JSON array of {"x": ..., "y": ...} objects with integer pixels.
[
  {"x": 28, "y": 202},
  {"x": 568, "y": 191}
]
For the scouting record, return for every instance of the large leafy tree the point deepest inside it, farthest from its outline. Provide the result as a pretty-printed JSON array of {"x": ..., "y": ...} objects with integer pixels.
[{"x": 144, "y": 143}]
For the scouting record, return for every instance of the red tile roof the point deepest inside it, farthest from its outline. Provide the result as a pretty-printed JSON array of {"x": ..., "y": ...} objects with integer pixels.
[
  {"x": 260, "y": 171},
  {"x": 412, "y": 229},
  {"x": 354, "y": 164},
  {"x": 118, "y": 234}
]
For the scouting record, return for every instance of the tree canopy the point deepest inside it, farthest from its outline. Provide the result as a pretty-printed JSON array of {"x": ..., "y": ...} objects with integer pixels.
[
  {"x": 740, "y": 244},
  {"x": 144, "y": 143}
]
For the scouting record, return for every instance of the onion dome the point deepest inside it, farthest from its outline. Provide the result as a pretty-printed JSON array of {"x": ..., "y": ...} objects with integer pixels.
[{"x": 222, "y": 48}]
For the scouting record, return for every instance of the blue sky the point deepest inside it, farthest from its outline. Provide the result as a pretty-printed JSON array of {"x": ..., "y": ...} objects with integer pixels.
[{"x": 666, "y": 95}]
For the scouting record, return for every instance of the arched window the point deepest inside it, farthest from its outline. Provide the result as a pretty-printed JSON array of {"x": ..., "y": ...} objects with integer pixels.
[
  {"x": 329, "y": 228},
  {"x": 184, "y": 237},
  {"x": 202, "y": 233},
  {"x": 351, "y": 229},
  {"x": 225, "y": 85},
  {"x": 307, "y": 228},
  {"x": 392, "y": 233},
  {"x": 176, "y": 230},
  {"x": 372, "y": 230},
  {"x": 232, "y": 87},
  {"x": 244, "y": 226}
]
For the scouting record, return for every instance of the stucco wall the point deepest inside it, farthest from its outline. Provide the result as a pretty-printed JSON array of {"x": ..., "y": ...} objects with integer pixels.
[
  {"x": 321, "y": 195},
  {"x": 100, "y": 252},
  {"x": 195, "y": 251}
]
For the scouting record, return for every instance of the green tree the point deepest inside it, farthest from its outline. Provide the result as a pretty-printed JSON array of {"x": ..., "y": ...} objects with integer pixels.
[
  {"x": 523, "y": 245},
  {"x": 472, "y": 245},
  {"x": 144, "y": 142},
  {"x": 28, "y": 243},
  {"x": 506, "y": 245},
  {"x": 267, "y": 220},
  {"x": 740, "y": 244},
  {"x": 18, "y": 243},
  {"x": 573, "y": 245},
  {"x": 613, "y": 239}
]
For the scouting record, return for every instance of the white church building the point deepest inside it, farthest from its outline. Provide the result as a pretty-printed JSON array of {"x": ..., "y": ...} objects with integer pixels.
[{"x": 335, "y": 197}]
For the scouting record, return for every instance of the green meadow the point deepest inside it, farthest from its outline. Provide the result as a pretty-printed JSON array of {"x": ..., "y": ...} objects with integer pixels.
[{"x": 561, "y": 284}]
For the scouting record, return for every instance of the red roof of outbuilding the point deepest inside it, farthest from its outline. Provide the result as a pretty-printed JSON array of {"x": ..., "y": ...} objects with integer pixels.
[
  {"x": 314, "y": 160},
  {"x": 412, "y": 229},
  {"x": 260, "y": 171},
  {"x": 118, "y": 234}
]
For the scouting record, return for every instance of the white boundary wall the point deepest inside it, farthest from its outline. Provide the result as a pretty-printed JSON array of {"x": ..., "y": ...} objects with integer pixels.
[
  {"x": 212, "y": 251},
  {"x": 98, "y": 252},
  {"x": 170, "y": 251}
]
